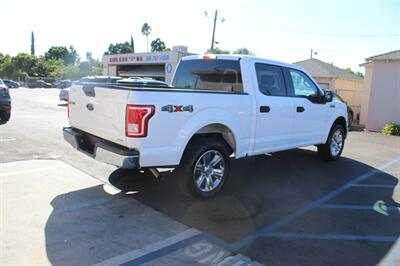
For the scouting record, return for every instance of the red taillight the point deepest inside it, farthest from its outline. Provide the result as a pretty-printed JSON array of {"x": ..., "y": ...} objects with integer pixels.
[
  {"x": 208, "y": 57},
  {"x": 68, "y": 106},
  {"x": 137, "y": 120}
]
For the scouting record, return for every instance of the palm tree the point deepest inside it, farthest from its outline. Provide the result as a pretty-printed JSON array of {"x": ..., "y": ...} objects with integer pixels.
[{"x": 146, "y": 31}]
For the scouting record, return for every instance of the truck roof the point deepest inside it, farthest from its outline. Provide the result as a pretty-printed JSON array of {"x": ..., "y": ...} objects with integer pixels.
[{"x": 239, "y": 57}]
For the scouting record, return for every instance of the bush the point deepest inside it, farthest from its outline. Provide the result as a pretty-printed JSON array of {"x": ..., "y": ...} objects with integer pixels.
[{"x": 391, "y": 129}]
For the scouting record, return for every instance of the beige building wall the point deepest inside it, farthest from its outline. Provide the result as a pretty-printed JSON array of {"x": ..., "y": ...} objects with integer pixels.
[
  {"x": 384, "y": 99},
  {"x": 351, "y": 91},
  {"x": 325, "y": 83},
  {"x": 366, "y": 94}
]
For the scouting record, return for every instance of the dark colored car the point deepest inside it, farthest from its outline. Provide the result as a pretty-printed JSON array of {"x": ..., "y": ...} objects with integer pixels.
[
  {"x": 5, "y": 103},
  {"x": 39, "y": 84},
  {"x": 62, "y": 84},
  {"x": 11, "y": 83},
  {"x": 350, "y": 113}
]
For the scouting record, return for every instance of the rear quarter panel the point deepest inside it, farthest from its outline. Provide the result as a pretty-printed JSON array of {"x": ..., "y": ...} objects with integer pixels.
[{"x": 169, "y": 132}]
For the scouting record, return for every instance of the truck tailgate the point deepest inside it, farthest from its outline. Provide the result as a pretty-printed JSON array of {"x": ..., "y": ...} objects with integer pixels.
[{"x": 99, "y": 111}]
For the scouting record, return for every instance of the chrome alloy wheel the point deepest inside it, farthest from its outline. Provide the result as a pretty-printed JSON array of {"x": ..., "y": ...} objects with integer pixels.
[
  {"x": 336, "y": 142},
  {"x": 209, "y": 171}
]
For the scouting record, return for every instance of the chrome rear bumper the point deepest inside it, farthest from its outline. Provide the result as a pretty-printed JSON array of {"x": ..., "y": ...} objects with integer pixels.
[{"x": 101, "y": 150}]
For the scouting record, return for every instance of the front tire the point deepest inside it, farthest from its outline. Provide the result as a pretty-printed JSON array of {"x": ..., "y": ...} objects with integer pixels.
[
  {"x": 332, "y": 149},
  {"x": 204, "y": 168}
]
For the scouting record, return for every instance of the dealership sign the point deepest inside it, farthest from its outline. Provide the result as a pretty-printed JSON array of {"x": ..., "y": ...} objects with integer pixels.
[{"x": 136, "y": 58}]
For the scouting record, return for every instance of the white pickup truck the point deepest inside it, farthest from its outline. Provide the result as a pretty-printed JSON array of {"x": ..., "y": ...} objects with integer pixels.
[{"x": 217, "y": 107}]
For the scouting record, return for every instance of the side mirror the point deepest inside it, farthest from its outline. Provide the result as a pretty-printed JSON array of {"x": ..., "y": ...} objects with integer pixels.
[{"x": 328, "y": 96}]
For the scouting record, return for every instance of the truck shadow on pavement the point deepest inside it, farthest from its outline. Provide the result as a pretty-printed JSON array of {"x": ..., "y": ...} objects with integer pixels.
[
  {"x": 264, "y": 190},
  {"x": 267, "y": 211}
]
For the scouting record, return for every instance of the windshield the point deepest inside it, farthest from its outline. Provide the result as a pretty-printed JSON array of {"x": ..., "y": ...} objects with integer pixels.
[{"x": 218, "y": 75}]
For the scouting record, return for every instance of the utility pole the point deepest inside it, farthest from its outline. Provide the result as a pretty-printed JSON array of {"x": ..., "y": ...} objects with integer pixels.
[
  {"x": 32, "y": 43},
  {"x": 213, "y": 35},
  {"x": 313, "y": 53},
  {"x": 215, "y": 18}
]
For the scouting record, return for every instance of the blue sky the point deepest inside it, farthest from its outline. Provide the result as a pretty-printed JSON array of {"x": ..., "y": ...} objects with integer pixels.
[{"x": 342, "y": 32}]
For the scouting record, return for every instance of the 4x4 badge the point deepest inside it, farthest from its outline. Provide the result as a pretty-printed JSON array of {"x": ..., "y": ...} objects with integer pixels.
[{"x": 177, "y": 108}]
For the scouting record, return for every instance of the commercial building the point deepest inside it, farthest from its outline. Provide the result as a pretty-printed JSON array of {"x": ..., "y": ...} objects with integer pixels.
[
  {"x": 156, "y": 65},
  {"x": 345, "y": 84},
  {"x": 381, "y": 101}
]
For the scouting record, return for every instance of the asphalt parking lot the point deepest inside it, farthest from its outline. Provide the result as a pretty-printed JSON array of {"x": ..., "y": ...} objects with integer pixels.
[{"x": 289, "y": 208}]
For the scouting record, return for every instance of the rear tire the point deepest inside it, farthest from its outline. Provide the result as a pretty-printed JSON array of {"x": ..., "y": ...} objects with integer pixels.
[
  {"x": 204, "y": 168},
  {"x": 332, "y": 149},
  {"x": 5, "y": 117},
  {"x": 350, "y": 118}
]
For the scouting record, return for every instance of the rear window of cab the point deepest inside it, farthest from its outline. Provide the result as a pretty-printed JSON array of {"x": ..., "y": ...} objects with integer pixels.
[{"x": 212, "y": 75}]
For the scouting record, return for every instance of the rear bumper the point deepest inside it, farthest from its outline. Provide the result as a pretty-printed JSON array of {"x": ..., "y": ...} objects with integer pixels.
[{"x": 102, "y": 150}]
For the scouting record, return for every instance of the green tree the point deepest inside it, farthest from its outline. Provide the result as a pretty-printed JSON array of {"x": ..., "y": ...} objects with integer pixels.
[
  {"x": 119, "y": 48},
  {"x": 68, "y": 55},
  {"x": 85, "y": 68},
  {"x": 32, "y": 43},
  {"x": 146, "y": 29},
  {"x": 24, "y": 63},
  {"x": 48, "y": 68},
  {"x": 6, "y": 67},
  {"x": 157, "y": 45},
  {"x": 71, "y": 72},
  {"x": 244, "y": 51},
  {"x": 132, "y": 45},
  {"x": 217, "y": 50},
  {"x": 358, "y": 73}
]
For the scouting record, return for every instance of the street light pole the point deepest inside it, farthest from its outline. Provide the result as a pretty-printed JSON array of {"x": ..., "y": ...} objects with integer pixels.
[{"x": 213, "y": 35}]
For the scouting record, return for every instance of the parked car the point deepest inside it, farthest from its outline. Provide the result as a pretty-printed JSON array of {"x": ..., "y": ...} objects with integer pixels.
[
  {"x": 39, "y": 84},
  {"x": 64, "y": 93},
  {"x": 143, "y": 82},
  {"x": 350, "y": 112},
  {"x": 62, "y": 84},
  {"x": 218, "y": 107},
  {"x": 11, "y": 83},
  {"x": 5, "y": 103}
]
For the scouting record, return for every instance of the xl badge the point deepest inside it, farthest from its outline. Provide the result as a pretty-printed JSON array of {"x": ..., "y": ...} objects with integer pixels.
[{"x": 177, "y": 108}]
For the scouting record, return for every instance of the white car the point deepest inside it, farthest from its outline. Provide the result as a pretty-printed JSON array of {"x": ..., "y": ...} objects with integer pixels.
[
  {"x": 219, "y": 106},
  {"x": 64, "y": 93}
]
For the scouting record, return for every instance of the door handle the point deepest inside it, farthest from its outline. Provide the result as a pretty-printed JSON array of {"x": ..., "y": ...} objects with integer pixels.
[
  {"x": 300, "y": 109},
  {"x": 264, "y": 109}
]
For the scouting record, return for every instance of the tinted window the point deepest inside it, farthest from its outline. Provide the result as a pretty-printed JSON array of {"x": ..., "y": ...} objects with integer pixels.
[
  {"x": 270, "y": 80},
  {"x": 302, "y": 85},
  {"x": 219, "y": 75}
]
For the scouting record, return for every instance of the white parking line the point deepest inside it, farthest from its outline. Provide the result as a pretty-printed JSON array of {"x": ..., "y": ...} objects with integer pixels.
[
  {"x": 32, "y": 170},
  {"x": 118, "y": 260},
  {"x": 4, "y": 140}
]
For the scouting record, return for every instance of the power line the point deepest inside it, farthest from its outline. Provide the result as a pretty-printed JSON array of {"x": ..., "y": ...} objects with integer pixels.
[{"x": 315, "y": 33}]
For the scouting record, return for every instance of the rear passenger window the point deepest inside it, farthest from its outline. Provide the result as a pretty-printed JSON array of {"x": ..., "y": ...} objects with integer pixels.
[
  {"x": 270, "y": 80},
  {"x": 215, "y": 74}
]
